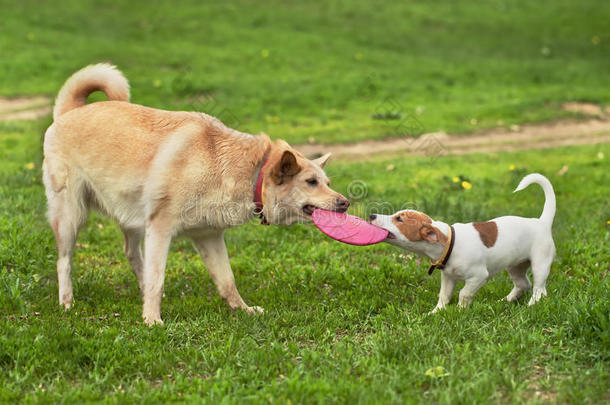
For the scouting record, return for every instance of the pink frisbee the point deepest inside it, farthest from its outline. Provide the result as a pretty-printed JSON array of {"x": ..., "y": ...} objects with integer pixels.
[{"x": 348, "y": 228}]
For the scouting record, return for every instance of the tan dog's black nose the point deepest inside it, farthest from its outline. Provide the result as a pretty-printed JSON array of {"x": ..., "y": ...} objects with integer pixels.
[
  {"x": 341, "y": 204},
  {"x": 372, "y": 217}
]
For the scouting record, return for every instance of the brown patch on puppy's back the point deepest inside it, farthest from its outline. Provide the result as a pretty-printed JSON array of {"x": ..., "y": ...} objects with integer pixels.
[{"x": 488, "y": 232}]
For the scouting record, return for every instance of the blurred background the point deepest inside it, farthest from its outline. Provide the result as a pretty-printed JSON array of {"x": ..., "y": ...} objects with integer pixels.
[{"x": 324, "y": 71}]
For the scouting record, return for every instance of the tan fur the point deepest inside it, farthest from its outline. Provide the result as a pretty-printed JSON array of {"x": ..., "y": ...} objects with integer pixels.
[
  {"x": 101, "y": 77},
  {"x": 160, "y": 173},
  {"x": 488, "y": 232}
]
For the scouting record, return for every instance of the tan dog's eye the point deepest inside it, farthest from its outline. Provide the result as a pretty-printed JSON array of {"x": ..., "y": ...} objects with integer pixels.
[
  {"x": 398, "y": 219},
  {"x": 312, "y": 182}
]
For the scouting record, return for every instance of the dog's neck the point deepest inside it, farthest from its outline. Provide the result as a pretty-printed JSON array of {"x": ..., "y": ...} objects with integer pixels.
[
  {"x": 259, "y": 198},
  {"x": 435, "y": 250},
  {"x": 243, "y": 154}
]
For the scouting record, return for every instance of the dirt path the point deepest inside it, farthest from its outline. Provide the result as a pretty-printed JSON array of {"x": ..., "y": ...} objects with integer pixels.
[
  {"x": 539, "y": 136},
  {"x": 24, "y": 108}
]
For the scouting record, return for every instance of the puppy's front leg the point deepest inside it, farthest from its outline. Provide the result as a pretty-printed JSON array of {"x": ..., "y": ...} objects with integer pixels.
[
  {"x": 444, "y": 296},
  {"x": 213, "y": 251},
  {"x": 156, "y": 248},
  {"x": 471, "y": 287}
]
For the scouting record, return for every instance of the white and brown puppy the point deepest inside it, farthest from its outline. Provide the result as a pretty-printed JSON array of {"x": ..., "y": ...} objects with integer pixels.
[
  {"x": 477, "y": 251},
  {"x": 162, "y": 173}
]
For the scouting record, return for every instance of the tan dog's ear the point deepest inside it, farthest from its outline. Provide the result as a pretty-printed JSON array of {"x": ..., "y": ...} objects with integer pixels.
[
  {"x": 430, "y": 233},
  {"x": 285, "y": 168},
  {"x": 322, "y": 160}
]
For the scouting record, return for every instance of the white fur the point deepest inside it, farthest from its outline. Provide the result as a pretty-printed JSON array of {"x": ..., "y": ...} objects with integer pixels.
[{"x": 519, "y": 241}]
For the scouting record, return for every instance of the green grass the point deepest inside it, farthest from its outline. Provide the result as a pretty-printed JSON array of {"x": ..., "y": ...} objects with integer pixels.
[
  {"x": 324, "y": 70},
  {"x": 342, "y": 324}
]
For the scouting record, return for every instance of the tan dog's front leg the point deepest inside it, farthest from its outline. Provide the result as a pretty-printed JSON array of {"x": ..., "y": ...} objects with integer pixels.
[
  {"x": 211, "y": 247},
  {"x": 156, "y": 248}
]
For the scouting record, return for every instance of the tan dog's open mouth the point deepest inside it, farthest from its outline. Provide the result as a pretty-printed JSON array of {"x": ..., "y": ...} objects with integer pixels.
[
  {"x": 308, "y": 209},
  {"x": 390, "y": 235}
]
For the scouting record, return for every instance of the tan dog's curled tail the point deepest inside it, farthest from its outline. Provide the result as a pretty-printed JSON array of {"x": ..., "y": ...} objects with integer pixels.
[
  {"x": 548, "y": 213},
  {"x": 101, "y": 77}
]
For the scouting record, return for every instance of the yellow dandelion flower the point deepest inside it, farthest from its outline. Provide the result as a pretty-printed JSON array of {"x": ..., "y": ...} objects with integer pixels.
[
  {"x": 30, "y": 166},
  {"x": 466, "y": 185},
  {"x": 157, "y": 83},
  {"x": 456, "y": 179},
  {"x": 607, "y": 222},
  {"x": 437, "y": 372},
  {"x": 265, "y": 53},
  {"x": 511, "y": 167},
  {"x": 595, "y": 40}
]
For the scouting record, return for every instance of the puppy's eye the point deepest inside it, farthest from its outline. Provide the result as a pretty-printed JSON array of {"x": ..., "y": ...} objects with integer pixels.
[
  {"x": 398, "y": 218},
  {"x": 312, "y": 182}
]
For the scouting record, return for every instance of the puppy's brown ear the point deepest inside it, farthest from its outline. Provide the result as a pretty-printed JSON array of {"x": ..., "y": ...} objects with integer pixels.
[
  {"x": 285, "y": 168},
  {"x": 322, "y": 160},
  {"x": 430, "y": 233}
]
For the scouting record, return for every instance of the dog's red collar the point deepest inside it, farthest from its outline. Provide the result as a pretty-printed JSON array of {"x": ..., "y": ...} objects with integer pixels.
[
  {"x": 442, "y": 261},
  {"x": 258, "y": 193}
]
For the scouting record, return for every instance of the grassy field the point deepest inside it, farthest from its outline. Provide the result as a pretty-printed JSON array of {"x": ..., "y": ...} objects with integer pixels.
[
  {"x": 328, "y": 71},
  {"x": 342, "y": 324}
]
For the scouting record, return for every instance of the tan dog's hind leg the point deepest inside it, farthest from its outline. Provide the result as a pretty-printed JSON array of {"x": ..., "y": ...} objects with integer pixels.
[
  {"x": 211, "y": 247},
  {"x": 156, "y": 248},
  {"x": 66, "y": 216},
  {"x": 133, "y": 251},
  {"x": 65, "y": 237},
  {"x": 67, "y": 212}
]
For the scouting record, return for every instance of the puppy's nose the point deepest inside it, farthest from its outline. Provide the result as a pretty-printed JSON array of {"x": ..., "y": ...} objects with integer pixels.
[
  {"x": 372, "y": 217},
  {"x": 342, "y": 204}
]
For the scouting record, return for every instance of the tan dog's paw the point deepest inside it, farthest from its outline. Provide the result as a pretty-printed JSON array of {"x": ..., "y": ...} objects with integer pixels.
[
  {"x": 254, "y": 310},
  {"x": 152, "y": 321},
  {"x": 66, "y": 302}
]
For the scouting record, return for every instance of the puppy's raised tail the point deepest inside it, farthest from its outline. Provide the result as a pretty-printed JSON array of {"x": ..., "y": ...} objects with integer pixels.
[
  {"x": 101, "y": 77},
  {"x": 548, "y": 213}
]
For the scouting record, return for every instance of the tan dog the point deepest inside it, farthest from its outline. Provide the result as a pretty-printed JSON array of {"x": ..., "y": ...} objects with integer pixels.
[{"x": 162, "y": 173}]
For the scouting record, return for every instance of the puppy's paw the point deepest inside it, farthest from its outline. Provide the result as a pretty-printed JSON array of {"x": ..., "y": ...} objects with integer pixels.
[
  {"x": 537, "y": 293},
  {"x": 254, "y": 310}
]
